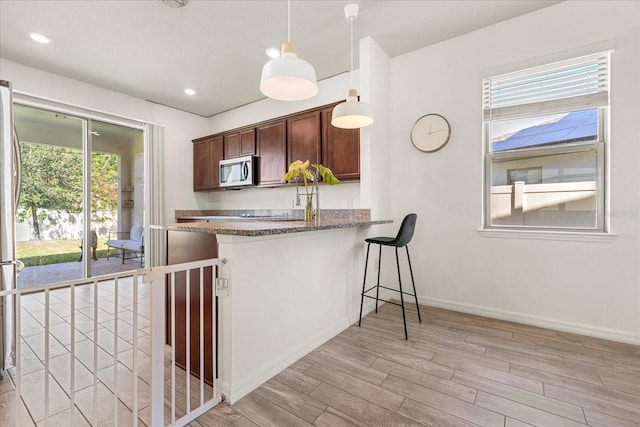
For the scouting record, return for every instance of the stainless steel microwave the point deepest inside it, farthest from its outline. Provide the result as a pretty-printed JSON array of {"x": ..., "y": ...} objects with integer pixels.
[{"x": 238, "y": 172}]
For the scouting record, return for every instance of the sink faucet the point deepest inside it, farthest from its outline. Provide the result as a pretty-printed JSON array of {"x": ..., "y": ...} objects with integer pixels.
[{"x": 316, "y": 179}]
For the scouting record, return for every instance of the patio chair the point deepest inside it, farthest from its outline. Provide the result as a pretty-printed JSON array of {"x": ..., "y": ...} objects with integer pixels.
[{"x": 134, "y": 244}]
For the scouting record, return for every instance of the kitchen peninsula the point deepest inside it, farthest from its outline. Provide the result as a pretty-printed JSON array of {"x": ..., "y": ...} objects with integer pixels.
[{"x": 291, "y": 285}]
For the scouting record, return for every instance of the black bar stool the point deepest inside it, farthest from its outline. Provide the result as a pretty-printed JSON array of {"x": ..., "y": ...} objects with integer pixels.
[{"x": 402, "y": 239}]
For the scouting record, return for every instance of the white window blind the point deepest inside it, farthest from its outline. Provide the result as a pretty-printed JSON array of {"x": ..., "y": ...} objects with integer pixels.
[{"x": 576, "y": 84}]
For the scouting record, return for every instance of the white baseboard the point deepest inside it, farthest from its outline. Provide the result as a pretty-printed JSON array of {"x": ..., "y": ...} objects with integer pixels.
[
  {"x": 576, "y": 328},
  {"x": 248, "y": 384},
  {"x": 245, "y": 386}
]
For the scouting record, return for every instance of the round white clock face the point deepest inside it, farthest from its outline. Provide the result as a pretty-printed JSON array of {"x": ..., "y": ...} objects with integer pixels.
[{"x": 430, "y": 133}]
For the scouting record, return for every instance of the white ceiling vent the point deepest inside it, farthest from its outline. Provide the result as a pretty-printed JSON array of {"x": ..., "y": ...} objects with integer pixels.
[{"x": 175, "y": 4}]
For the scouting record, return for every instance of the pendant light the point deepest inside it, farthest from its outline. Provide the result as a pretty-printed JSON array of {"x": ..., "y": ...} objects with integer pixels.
[
  {"x": 287, "y": 77},
  {"x": 351, "y": 114}
]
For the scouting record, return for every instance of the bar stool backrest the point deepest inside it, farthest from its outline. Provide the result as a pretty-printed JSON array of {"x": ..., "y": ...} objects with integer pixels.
[{"x": 405, "y": 234}]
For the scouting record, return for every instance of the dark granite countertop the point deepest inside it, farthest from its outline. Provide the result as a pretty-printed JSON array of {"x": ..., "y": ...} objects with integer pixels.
[
  {"x": 289, "y": 214},
  {"x": 266, "y": 228}
]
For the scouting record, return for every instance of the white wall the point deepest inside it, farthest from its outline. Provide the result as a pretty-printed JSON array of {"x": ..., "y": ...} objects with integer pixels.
[
  {"x": 55, "y": 87},
  {"x": 376, "y": 144},
  {"x": 588, "y": 286},
  {"x": 180, "y": 129}
]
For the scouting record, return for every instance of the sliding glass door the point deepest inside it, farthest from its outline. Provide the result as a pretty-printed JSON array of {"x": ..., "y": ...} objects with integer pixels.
[
  {"x": 49, "y": 220},
  {"x": 78, "y": 187}
]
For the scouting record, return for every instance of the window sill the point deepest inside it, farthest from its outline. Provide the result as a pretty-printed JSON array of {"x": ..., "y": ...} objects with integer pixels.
[{"x": 572, "y": 236}]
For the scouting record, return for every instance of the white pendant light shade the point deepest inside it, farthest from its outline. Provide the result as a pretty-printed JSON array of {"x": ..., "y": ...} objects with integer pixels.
[
  {"x": 288, "y": 78},
  {"x": 351, "y": 114}
]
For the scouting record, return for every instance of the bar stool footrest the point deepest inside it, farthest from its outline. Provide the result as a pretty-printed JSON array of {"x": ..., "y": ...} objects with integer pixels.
[
  {"x": 380, "y": 299},
  {"x": 389, "y": 289}
]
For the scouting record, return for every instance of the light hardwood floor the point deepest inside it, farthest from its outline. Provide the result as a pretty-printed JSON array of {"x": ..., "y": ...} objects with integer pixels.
[{"x": 455, "y": 370}]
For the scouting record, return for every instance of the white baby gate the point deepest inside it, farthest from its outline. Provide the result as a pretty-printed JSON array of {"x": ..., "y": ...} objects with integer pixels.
[{"x": 95, "y": 350}]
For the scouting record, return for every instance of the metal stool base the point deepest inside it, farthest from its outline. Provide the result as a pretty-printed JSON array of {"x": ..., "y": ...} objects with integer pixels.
[{"x": 378, "y": 286}]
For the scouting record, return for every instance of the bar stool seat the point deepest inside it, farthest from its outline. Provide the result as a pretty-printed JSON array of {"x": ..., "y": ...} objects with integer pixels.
[{"x": 402, "y": 239}]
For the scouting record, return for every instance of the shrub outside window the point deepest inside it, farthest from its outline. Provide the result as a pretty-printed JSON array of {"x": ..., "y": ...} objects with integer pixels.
[{"x": 545, "y": 134}]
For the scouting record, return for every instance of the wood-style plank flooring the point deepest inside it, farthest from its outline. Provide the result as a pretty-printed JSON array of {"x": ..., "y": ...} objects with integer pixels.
[{"x": 455, "y": 370}]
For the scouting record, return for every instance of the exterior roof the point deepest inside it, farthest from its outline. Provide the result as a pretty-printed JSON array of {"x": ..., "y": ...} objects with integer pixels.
[{"x": 574, "y": 127}]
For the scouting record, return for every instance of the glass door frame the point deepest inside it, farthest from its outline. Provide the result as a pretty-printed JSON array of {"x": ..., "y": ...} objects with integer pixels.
[{"x": 88, "y": 116}]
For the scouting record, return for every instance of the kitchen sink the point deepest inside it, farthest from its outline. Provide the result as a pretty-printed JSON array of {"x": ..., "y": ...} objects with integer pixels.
[{"x": 274, "y": 218}]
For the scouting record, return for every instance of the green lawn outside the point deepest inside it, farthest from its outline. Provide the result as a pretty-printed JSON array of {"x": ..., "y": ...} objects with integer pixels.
[{"x": 42, "y": 252}]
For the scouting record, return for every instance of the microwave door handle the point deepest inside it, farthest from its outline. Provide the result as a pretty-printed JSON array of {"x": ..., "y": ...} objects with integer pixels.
[{"x": 245, "y": 171}]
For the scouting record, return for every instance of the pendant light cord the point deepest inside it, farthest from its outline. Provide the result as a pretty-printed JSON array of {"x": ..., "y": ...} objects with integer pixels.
[
  {"x": 288, "y": 21},
  {"x": 351, "y": 19}
]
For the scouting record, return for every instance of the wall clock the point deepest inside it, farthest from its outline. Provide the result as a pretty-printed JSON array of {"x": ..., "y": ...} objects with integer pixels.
[{"x": 430, "y": 133}]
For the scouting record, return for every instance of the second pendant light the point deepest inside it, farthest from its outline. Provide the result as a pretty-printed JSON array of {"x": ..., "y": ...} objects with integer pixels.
[{"x": 351, "y": 114}]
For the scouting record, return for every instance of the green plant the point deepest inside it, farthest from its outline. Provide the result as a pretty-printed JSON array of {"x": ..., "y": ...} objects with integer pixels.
[
  {"x": 52, "y": 181},
  {"x": 43, "y": 252},
  {"x": 298, "y": 168}
]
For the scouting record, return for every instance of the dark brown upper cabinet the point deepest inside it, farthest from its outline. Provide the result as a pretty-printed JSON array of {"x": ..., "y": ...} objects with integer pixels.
[
  {"x": 240, "y": 143},
  {"x": 303, "y": 137},
  {"x": 271, "y": 139},
  {"x": 340, "y": 148},
  {"x": 248, "y": 142},
  {"x": 207, "y": 153},
  {"x": 231, "y": 145},
  {"x": 307, "y": 135}
]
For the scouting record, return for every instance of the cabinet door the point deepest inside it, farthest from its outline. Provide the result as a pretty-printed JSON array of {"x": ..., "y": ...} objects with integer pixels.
[
  {"x": 206, "y": 155},
  {"x": 215, "y": 155},
  {"x": 271, "y": 140},
  {"x": 340, "y": 149},
  {"x": 303, "y": 137},
  {"x": 248, "y": 142},
  {"x": 201, "y": 151},
  {"x": 185, "y": 247},
  {"x": 232, "y": 145}
]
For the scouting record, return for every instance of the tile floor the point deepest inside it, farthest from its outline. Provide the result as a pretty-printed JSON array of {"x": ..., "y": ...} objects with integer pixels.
[
  {"x": 55, "y": 273},
  {"x": 86, "y": 384}
]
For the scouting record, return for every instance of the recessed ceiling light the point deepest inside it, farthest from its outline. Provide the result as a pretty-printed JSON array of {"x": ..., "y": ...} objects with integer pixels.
[
  {"x": 40, "y": 38},
  {"x": 61, "y": 116},
  {"x": 189, "y": 91},
  {"x": 272, "y": 52},
  {"x": 95, "y": 133},
  {"x": 175, "y": 4}
]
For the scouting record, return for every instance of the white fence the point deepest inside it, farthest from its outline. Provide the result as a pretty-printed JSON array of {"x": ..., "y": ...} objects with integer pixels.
[
  {"x": 553, "y": 204},
  {"x": 95, "y": 350},
  {"x": 64, "y": 225}
]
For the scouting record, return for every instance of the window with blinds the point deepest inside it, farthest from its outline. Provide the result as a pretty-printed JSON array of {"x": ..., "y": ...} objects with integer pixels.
[{"x": 549, "y": 119}]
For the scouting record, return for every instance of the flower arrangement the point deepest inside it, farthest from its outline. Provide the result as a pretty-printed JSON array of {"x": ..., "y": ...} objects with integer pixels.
[{"x": 310, "y": 177}]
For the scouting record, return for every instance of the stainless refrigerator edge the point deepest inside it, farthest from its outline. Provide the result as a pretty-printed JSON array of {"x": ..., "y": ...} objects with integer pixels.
[{"x": 9, "y": 194}]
